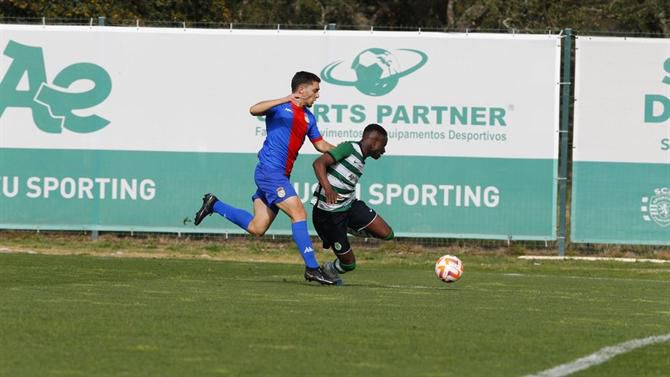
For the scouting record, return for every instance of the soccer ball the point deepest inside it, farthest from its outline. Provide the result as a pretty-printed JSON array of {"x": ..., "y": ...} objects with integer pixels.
[{"x": 449, "y": 268}]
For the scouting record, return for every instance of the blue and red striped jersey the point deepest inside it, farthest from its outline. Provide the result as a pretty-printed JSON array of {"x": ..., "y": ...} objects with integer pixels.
[{"x": 286, "y": 125}]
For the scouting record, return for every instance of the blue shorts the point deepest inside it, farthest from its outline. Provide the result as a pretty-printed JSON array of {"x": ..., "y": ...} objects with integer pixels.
[{"x": 272, "y": 187}]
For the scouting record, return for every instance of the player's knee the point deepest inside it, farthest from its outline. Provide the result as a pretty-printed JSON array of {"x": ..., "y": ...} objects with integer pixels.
[
  {"x": 294, "y": 209},
  {"x": 298, "y": 215},
  {"x": 255, "y": 230},
  {"x": 390, "y": 236}
]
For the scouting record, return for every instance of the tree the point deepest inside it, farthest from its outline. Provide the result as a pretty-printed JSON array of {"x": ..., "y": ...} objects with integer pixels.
[{"x": 609, "y": 16}]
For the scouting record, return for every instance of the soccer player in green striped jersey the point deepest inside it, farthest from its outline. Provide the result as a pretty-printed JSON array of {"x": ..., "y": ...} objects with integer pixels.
[{"x": 336, "y": 210}]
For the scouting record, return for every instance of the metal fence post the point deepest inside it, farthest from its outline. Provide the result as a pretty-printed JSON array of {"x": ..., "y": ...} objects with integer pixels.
[
  {"x": 95, "y": 233},
  {"x": 566, "y": 82}
]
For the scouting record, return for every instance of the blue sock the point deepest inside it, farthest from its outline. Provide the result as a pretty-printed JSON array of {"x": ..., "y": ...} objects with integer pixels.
[
  {"x": 239, "y": 216},
  {"x": 304, "y": 243}
]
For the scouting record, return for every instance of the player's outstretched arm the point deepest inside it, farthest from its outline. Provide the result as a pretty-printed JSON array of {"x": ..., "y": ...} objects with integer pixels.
[
  {"x": 262, "y": 107},
  {"x": 323, "y": 146},
  {"x": 321, "y": 165}
]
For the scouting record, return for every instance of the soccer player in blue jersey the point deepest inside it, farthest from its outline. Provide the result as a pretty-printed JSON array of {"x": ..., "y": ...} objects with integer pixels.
[{"x": 288, "y": 121}]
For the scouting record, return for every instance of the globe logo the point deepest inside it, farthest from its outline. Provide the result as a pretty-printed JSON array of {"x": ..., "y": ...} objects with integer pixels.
[{"x": 377, "y": 71}]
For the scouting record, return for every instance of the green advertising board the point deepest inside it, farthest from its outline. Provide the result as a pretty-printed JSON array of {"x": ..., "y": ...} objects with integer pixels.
[{"x": 621, "y": 160}]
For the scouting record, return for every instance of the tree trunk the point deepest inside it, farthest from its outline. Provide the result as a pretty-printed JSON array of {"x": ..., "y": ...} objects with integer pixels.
[{"x": 450, "y": 14}]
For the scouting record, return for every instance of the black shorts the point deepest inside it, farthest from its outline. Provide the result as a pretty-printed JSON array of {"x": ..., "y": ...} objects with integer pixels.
[{"x": 332, "y": 227}]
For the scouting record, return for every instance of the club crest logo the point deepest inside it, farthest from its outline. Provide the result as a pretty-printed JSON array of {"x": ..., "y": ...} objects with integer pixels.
[
  {"x": 656, "y": 208},
  {"x": 281, "y": 192},
  {"x": 377, "y": 70}
]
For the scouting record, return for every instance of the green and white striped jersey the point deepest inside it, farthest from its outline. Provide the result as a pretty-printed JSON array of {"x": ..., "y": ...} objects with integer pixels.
[{"x": 343, "y": 176}]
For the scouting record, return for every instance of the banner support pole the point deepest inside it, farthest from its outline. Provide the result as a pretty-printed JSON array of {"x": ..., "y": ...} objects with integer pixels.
[{"x": 566, "y": 82}]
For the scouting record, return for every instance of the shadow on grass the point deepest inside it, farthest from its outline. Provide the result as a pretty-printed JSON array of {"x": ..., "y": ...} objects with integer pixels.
[{"x": 351, "y": 285}]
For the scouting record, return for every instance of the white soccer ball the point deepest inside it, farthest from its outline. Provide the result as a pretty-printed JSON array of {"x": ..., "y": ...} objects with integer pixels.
[{"x": 449, "y": 268}]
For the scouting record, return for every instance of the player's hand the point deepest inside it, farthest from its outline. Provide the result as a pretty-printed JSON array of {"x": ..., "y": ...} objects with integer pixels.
[{"x": 331, "y": 195}]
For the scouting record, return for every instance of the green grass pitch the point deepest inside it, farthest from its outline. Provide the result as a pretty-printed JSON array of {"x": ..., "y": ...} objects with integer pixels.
[{"x": 104, "y": 316}]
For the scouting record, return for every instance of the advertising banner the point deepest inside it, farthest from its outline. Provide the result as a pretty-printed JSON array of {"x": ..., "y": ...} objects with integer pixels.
[
  {"x": 126, "y": 128},
  {"x": 621, "y": 157}
]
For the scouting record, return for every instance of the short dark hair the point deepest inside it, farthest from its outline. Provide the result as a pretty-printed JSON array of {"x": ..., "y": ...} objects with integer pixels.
[
  {"x": 374, "y": 127},
  {"x": 302, "y": 78}
]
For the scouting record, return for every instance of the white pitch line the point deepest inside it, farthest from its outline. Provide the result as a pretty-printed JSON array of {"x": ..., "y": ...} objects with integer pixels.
[
  {"x": 533, "y": 275},
  {"x": 594, "y": 259},
  {"x": 601, "y": 356},
  {"x": 405, "y": 286}
]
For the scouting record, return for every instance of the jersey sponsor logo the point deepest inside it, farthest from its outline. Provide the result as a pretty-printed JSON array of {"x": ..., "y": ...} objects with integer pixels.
[
  {"x": 53, "y": 106},
  {"x": 377, "y": 70},
  {"x": 656, "y": 207}
]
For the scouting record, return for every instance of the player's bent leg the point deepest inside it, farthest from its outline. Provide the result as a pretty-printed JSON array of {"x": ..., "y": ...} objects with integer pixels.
[
  {"x": 263, "y": 218},
  {"x": 378, "y": 228},
  {"x": 364, "y": 221},
  {"x": 276, "y": 190},
  {"x": 331, "y": 228},
  {"x": 332, "y": 272},
  {"x": 345, "y": 262},
  {"x": 238, "y": 216},
  {"x": 206, "y": 208},
  {"x": 211, "y": 204},
  {"x": 293, "y": 207}
]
